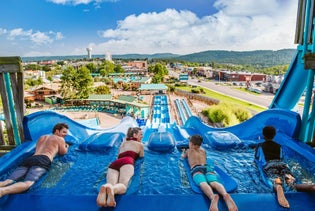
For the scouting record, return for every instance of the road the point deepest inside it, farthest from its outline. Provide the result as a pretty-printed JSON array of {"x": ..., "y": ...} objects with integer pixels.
[{"x": 263, "y": 99}]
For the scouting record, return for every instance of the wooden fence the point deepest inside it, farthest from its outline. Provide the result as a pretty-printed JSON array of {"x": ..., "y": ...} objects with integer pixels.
[{"x": 12, "y": 98}]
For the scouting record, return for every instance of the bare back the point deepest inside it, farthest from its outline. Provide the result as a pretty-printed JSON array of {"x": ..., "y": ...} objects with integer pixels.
[
  {"x": 196, "y": 156},
  {"x": 51, "y": 145},
  {"x": 134, "y": 146}
]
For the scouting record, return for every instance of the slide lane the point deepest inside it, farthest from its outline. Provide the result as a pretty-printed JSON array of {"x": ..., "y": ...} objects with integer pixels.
[
  {"x": 287, "y": 123},
  {"x": 292, "y": 87}
]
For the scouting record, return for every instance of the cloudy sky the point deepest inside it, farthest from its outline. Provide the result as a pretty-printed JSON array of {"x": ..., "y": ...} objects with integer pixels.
[{"x": 68, "y": 27}]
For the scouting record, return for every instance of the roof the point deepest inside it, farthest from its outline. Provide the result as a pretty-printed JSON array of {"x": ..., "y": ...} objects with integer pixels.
[
  {"x": 140, "y": 105},
  {"x": 153, "y": 87},
  {"x": 99, "y": 97},
  {"x": 127, "y": 98}
]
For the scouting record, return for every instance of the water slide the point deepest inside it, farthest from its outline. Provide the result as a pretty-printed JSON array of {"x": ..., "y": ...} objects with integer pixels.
[
  {"x": 186, "y": 107},
  {"x": 293, "y": 85},
  {"x": 181, "y": 112},
  {"x": 77, "y": 176}
]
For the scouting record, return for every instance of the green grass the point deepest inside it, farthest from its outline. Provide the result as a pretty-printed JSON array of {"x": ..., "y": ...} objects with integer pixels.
[{"x": 226, "y": 99}]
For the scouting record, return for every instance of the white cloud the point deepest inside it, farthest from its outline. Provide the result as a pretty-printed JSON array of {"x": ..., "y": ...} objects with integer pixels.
[
  {"x": 3, "y": 31},
  {"x": 38, "y": 38},
  {"x": 77, "y": 2},
  {"x": 19, "y": 32},
  {"x": 238, "y": 25}
]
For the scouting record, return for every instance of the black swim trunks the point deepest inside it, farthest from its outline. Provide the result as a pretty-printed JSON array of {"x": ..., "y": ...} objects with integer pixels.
[
  {"x": 32, "y": 168},
  {"x": 42, "y": 161}
]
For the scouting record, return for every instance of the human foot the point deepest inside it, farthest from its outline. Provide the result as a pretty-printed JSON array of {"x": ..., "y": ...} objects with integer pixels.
[
  {"x": 229, "y": 202},
  {"x": 214, "y": 203},
  {"x": 101, "y": 197},
  {"x": 110, "y": 196},
  {"x": 281, "y": 197},
  {"x": 5, "y": 183}
]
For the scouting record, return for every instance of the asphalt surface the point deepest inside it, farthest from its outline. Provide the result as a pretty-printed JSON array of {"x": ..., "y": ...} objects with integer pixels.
[{"x": 263, "y": 99}]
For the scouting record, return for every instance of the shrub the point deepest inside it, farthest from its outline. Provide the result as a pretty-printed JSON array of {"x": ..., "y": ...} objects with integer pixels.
[
  {"x": 195, "y": 91},
  {"x": 242, "y": 114},
  {"x": 227, "y": 114}
]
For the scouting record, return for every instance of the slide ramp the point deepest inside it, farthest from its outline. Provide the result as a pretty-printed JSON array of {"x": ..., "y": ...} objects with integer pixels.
[{"x": 293, "y": 85}]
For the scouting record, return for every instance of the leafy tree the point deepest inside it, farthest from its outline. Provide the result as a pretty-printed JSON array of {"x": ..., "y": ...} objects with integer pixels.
[
  {"x": 106, "y": 68},
  {"x": 32, "y": 67},
  {"x": 34, "y": 82},
  {"x": 118, "y": 69},
  {"x": 67, "y": 89},
  {"x": 83, "y": 83},
  {"x": 102, "y": 89},
  {"x": 159, "y": 71},
  {"x": 92, "y": 67},
  {"x": 46, "y": 68}
]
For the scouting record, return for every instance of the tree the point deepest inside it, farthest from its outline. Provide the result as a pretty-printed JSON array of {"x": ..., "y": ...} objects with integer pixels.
[
  {"x": 92, "y": 67},
  {"x": 83, "y": 83},
  {"x": 102, "y": 89},
  {"x": 159, "y": 71},
  {"x": 106, "y": 68},
  {"x": 119, "y": 69},
  {"x": 67, "y": 89}
]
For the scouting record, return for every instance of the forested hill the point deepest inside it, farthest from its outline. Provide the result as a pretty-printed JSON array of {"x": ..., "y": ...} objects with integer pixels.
[{"x": 265, "y": 58}]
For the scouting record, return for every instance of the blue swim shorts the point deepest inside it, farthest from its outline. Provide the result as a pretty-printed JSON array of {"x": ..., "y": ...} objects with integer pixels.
[{"x": 203, "y": 174}]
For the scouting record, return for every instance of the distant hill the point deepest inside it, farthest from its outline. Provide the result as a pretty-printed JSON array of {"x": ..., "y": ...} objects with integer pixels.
[
  {"x": 264, "y": 58},
  {"x": 146, "y": 56}
]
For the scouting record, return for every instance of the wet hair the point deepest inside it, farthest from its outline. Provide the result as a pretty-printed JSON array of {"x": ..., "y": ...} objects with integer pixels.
[
  {"x": 196, "y": 140},
  {"x": 59, "y": 126},
  {"x": 269, "y": 132},
  {"x": 132, "y": 130}
]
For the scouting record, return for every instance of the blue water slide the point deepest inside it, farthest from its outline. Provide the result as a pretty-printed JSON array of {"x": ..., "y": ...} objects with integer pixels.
[
  {"x": 186, "y": 107},
  {"x": 180, "y": 111},
  {"x": 42, "y": 122},
  {"x": 89, "y": 157},
  {"x": 293, "y": 85}
]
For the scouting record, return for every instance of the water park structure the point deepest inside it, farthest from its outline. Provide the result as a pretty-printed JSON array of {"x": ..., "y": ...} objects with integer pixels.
[{"x": 161, "y": 181}]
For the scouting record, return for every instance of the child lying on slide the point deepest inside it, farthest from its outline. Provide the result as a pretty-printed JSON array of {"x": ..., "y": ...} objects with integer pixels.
[{"x": 204, "y": 175}]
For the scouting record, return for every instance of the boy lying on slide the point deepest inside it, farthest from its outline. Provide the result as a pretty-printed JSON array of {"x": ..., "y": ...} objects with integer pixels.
[{"x": 204, "y": 175}]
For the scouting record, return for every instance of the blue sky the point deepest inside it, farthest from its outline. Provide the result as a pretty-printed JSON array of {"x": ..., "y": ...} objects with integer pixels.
[{"x": 68, "y": 27}]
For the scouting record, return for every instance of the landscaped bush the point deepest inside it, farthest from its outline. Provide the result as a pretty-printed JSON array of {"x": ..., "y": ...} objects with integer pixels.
[
  {"x": 227, "y": 114},
  {"x": 241, "y": 114},
  {"x": 195, "y": 91}
]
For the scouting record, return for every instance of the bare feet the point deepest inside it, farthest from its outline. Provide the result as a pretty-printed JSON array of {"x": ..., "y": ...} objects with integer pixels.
[
  {"x": 101, "y": 197},
  {"x": 214, "y": 203},
  {"x": 289, "y": 179},
  {"x": 229, "y": 202},
  {"x": 281, "y": 197},
  {"x": 5, "y": 183},
  {"x": 110, "y": 196}
]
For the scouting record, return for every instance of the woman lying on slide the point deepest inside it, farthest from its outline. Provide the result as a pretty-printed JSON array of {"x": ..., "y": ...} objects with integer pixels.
[{"x": 121, "y": 170}]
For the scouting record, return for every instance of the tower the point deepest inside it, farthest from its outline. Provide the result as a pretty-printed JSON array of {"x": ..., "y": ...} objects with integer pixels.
[
  {"x": 89, "y": 51},
  {"x": 108, "y": 56}
]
